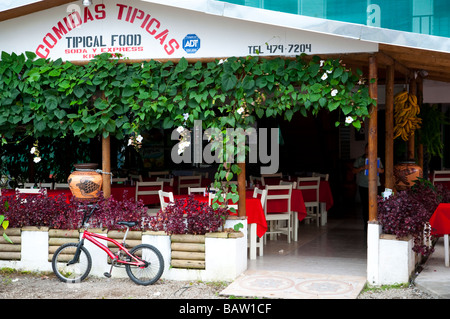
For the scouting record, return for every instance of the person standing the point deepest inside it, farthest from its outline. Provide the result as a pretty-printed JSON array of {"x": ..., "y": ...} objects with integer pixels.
[{"x": 360, "y": 168}]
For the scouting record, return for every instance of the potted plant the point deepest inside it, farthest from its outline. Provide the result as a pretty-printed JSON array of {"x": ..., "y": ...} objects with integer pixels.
[{"x": 403, "y": 218}]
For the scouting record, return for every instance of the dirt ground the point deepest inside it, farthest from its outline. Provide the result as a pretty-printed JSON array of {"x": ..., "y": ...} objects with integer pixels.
[
  {"x": 16, "y": 285},
  {"x": 47, "y": 286}
]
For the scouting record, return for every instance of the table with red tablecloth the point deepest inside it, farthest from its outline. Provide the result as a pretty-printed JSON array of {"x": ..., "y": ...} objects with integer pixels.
[
  {"x": 253, "y": 208},
  {"x": 120, "y": 191},
  {"x": 50, "y": 192},
  {"x": 440, "y": 220},
  {"x": 440, "y": 226},
  {"x": 280, "y": 205}
]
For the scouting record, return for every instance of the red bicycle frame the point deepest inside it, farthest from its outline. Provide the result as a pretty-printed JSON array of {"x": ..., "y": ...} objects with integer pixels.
[{"x": 92, "y": 238}]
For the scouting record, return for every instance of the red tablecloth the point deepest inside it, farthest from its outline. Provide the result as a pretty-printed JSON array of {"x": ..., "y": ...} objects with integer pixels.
[
  {"x": 279, "y": 206},
  {"x": 253, "y": 208},
  {"x": 440, "y": 220},
  {"x": 325, "y": 195},
  {"x": 118, "y": 191},
  {"x": 50, "y": 193}
]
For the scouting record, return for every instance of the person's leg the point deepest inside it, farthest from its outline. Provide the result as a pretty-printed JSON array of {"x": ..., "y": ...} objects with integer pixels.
[{"x": 364, "y": 195}]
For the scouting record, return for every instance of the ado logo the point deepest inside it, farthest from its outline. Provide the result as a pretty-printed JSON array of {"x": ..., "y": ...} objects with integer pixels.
[{"x": 191, "y": 43}]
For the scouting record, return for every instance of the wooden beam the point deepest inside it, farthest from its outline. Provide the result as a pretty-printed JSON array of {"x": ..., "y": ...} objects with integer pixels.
[
  {"x": 420, "y": 102},
  {"x": 373, "y": 140},
  {"x": 106, "y": 165},
  {"x": 385, "y": 59},
  {"x": 389, "y": 119},
  {"x": 241, "y": 191},
  {"x": 411, "y": 146}
]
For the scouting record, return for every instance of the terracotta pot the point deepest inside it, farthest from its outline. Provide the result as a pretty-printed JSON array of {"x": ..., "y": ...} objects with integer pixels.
[
  {"x": 405, "y": 174},
  {"x": 85, "y": 183}
]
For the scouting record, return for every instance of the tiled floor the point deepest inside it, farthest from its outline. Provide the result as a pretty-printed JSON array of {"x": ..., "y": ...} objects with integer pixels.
[{"x": 326, "y": 262}]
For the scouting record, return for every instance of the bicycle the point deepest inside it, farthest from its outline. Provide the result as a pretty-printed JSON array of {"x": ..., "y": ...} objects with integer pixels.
[{"x": 72, "y": 262}]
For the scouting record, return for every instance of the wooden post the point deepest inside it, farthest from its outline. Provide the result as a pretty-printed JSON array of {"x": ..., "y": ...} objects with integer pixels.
[
  {"x": 420, "y": 102},
  {"x": 411, "y": 149},
  {"x": 241, "y": 190},
  {"x": 389, "y": 138},
  {"x": 373, "y": 140},
  {"x": 106, "y": 165}
]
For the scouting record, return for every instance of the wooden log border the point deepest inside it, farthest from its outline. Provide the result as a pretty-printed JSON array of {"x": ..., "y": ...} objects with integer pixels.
[
  {"x": 134, "y": 238},
  {"x": 58, "y": 237},
  {"x": 10, "y": 251},
  {"x": 188, "y": 251}
]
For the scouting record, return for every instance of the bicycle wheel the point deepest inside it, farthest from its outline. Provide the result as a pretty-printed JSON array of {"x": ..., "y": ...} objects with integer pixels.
[
  {"x": 149, "y": 274},
  {"x": 75, "y": 272}
]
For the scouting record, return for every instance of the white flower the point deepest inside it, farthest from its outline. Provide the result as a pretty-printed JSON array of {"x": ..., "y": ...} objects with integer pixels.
[
  {"x": 37, "y": 159},
  {"x": 139, "y": 138},
  {"x": 180, "y": 129},
  {"x": 33, "y": 149},
  {"x": 324, "y": 76},
  {"x": 240, "y": 110},
  {"x": 348, "y": 119},
  {"x": 329, "y": 71},
  {"x": 334, "y": 92},
  {"x": 130, "y": 141},
  {"x": 322, "y": 62},
  {"x": 222, "y": 61},
  {"x": 186, "y": 116}
]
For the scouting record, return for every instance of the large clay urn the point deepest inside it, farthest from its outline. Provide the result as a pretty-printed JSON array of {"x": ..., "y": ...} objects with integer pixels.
[
  {"x": 405, "y": 174},
  {"x": 85, "y": 183}
]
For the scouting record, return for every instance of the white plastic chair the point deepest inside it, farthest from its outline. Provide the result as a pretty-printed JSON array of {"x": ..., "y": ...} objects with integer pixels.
[
  {"x": 325, "y": 177},
  {"x": 162, "y": 198},
  {"x": 312, "y": 207},
  {"x": 265, "y": 177},
  {"x": 159, "y": 173},
  {"x": 141, "y": 191},
  {"x": 30, "y": 191},
  {"x": 165, "y": 180},
  {"x": 255, "y": 243},
  {"x": 192, "y": 181},
  {"x": 136, "y": 178},
  {"x": 441, "y": 178},
  {"x": 61, "y": 186},
  {"x": 196, "y": 190},
  {"x": 46, "y": 185},
  {"x": 294, "y": 184},
  {"x": 119, "y": 180},
  {"x": 274, "y": 219}
]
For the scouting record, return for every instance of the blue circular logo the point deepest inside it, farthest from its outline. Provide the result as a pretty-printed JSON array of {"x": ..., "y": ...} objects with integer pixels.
[{"x": 191, "y": 43}]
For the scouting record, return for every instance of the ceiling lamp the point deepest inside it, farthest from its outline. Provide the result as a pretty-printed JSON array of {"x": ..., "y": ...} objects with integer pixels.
[{"x": 87, "y": 3}]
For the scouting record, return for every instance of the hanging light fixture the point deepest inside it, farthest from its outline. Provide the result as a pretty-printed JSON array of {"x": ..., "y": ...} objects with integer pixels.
[{"x": 87, "y": 3}]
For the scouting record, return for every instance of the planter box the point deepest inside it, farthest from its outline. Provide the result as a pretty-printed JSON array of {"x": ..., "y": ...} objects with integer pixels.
[
  {"x": 225, "y": 254},
  {"x": 389, "y": 260}
]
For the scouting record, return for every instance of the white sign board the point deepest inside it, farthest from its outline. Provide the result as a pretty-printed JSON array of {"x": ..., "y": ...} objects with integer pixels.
[{"x": 142, "y": 30}]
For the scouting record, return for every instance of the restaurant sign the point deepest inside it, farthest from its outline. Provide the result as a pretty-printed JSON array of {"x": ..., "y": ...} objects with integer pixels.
[{"x": 142, "y": 30}]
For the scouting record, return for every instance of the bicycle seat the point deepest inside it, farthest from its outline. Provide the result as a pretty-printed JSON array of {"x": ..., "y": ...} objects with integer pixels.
[{"x": 128, "y": 224}]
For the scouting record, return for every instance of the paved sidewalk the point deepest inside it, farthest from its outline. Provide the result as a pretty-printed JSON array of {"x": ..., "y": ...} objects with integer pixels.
[{"x": 435, "y": 277}]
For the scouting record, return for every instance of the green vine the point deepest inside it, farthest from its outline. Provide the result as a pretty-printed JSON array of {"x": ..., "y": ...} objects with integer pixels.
[{"x": 112, "y": 97}]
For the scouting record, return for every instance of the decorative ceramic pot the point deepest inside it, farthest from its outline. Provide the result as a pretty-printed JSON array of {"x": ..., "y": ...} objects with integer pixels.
[
  {"x": 85, "y": 183},
  {"x": 405, "y": 174}
]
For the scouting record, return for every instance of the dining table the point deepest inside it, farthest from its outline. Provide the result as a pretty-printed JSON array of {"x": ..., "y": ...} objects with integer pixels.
[
  {"x": 440, "y": 226},
  {"x": 120, "y": 191},
  {"x": 253, "y": 208},
  {"x": 325, "y": 196},
  {"x": 280, "y": 205},
  {"x": 50, "y": 192}
]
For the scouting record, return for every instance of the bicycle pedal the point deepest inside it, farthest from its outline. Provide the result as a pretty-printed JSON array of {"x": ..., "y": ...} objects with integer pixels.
[{"x": 107, "y": 275}]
